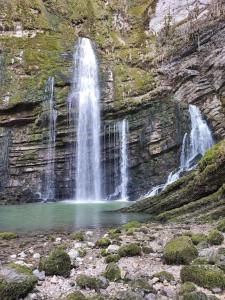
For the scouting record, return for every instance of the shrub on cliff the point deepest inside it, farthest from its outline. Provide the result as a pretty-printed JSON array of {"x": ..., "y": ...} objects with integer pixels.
[
  {"x": 208, "y": 277},
  {"x": 180, "y": 250},
  {"x": 132, "y": 225},
  {"x": 57, "y": 263}
]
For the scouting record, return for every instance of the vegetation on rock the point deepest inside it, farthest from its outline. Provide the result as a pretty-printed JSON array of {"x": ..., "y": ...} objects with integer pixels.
[
  {"x": 209, "y": 277},
  {"x": 89, "y": 282},
  {"x": 8, "y": 235},
  {"x": 57, "y": 263},
  {"x": 163, "y": 275},
  {"x": 103, "y": 243},
  {"x": 77, "y": 236},
  {"x": 215, "y": 237},
  {"x": 113, "y": 272},
  {"x": 198, "y": 238},
  {"x": 180, "y": 250},
  {"x": 129, "y": 250},
  {"x": 187, "y": 287}
]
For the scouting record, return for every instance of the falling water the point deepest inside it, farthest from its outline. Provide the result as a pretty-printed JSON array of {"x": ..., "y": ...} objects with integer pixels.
[
  {"x": 115, "y": 160},
  {"x": 85, "y": 98},
  {"x": 194, "y": 145},
  {"x": 123, "y": 128},
  {"x": 48, "y": 190}
]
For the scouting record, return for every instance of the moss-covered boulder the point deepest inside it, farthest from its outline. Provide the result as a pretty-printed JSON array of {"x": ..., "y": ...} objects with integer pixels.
[
  {"x": 221, "y": 225},
  {"x": 215, "y": 237},
  {"x": 200, "y": 261},
  {"x": 15, "y": 282},
  {"x": 7, "y": 235},
  {"x": 112, "y": 258},
  {"x": 102, "y": 243},
  {"x": 195, "y": 296},
  {"x": 180, "y": 250},
  {"x": 77, "y": 236},
  {"x": 141, "y": 285},
  {"x": 113, "y": 272},
  {"x": 187, "y": 287},
  {"x": 132, "y": 225},
  {"x": 90, "y": 282},
  {"x": 75, "y": 296},
  {"x": 198, "y": 238},
  {"x": 129, "y": 250},
  {"x": 57, "y": 263},
  {"x": 209, "y": 277},
  {"x": 163, "y": 275}
]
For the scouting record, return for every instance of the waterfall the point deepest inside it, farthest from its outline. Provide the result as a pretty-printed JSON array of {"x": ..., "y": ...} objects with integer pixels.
[
  {"x": 194, "y": 146},
  {"x": 123, "y": 128},
  {"x": 115, "y": 160},
  {"x": 84, "y": 115},
  {"x": 48, "y": 189}
]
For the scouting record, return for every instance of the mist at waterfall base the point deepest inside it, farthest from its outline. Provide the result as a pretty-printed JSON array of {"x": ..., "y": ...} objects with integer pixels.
[{"x": 194, "y": 146}]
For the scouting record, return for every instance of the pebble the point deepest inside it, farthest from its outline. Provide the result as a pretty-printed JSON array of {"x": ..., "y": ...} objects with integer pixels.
[
  {"x": 89, "y": 233},
  {"x": 37, "y": 256},
  {"x": 73, "y": 254},
  {"x": 54, "y": 279},
  {"x": 113, "y": 248},
  {"x": 39, "y": 275},
  {"x": 14, "y": 256},
  {"x": 216, "y": 290},
  {"x": 150, "y": 297}
]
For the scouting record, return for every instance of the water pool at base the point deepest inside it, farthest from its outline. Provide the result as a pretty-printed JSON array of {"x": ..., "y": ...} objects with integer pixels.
[{"x": 66, "y": 215}]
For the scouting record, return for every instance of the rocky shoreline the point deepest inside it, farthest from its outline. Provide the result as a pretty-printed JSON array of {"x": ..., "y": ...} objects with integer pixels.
[{"x": 137, "y": 261}]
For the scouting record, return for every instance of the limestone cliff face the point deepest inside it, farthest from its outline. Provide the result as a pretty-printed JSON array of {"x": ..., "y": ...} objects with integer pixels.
[{"x": 148, "y": 74}]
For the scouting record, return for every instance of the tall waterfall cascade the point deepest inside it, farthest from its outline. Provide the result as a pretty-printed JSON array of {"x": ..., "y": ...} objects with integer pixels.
[
  {"x": 84, "y": 117},
  {"x": 48, "y": 189},
  {"x": 194, "y": 146}
]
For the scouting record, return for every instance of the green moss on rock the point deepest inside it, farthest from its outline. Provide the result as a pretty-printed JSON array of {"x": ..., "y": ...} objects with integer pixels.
[
  {"x": 129, "y": 250},
  {"x": 221, "y": 226},
  {"x": 215, "y": 237},
  {"x": 8, "y": 235},
  {"x": 163, "y": 275},
  {"x": 112, "y": 258},
  {"x": 180, "y": 250},
  {"x": 17, "y": 285},
  {"x": 132, "y": 225},
  {"x": 187, "y": 287},
  {"x": 88, "y": 282},
  {"x": 209, "y": 277},
  {"x": 113, "y": 272},
  {"x": 21, "y": 269},
  {"x": 77, "y": 236},
  {"x": 57, "y": 263},
  {"x": 75, "y": 296},
  {"x": 198, "y": 238},
  {"x": 195, "y": 296},
  {"x": 102, "y": 243}
]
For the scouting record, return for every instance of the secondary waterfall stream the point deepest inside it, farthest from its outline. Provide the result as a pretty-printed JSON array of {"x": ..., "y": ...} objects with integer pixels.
[
  {"x": 84, "y": 111},
  {"x": 194, "y": 146},
  {"x": 48, "y": 189}
]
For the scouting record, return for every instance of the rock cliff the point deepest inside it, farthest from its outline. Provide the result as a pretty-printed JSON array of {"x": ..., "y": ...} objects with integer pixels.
[{"x": 151, "y": 69}]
